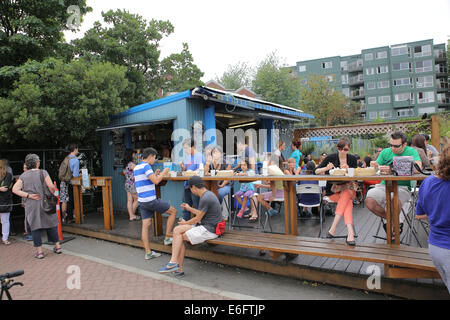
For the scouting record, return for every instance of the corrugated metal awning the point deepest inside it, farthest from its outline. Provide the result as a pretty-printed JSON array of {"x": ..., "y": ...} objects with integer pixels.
[{"x": 136, "y": 124}]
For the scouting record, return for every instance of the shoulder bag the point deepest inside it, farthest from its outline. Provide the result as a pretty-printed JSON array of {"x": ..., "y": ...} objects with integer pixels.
[{"x": 48, "y": 199}]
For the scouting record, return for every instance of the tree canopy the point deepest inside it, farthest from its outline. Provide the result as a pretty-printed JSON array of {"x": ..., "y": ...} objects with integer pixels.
[{"x": 237, "y": 76}]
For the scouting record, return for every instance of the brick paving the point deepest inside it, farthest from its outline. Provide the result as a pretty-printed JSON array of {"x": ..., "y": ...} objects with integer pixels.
[{"x": 46, "y": 279}]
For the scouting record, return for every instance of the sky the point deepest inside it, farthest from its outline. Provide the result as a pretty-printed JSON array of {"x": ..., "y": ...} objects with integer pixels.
[{"x": 223, "y": 33}]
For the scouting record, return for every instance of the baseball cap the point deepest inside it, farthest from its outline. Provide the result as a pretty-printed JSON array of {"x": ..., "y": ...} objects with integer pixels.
[{"x": 196, "y": 181}]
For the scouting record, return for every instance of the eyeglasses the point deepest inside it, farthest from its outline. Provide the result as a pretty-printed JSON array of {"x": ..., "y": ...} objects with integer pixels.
[
  {"x": 343, "y": 149},
  {"x": 395, "y": 145}
]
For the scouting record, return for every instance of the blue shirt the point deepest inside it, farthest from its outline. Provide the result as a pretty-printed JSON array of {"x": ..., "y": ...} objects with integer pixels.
[
  {"x": 74, "y": 165},
  {"x": 144, "y": 186},
  {"x": 296, "y": 155},
  {"x": 192, "y": 162},
  {"x": 433, "y": 201},
  {"x": 247, "y": 186}
]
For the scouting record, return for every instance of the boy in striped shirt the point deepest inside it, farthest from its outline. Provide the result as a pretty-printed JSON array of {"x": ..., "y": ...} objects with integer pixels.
[{"x": 145, "y": 180}]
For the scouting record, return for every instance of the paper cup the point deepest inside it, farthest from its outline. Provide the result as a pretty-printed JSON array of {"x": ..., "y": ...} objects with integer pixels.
[
  {"x": 173, "y": 174},
  {"x": 213, "y": 173},
  {"x": 351, "y": 172}
]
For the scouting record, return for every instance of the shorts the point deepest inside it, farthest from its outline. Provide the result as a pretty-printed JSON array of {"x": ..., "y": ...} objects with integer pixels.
[
  {"x": 148, "y": 209},
  {"x": 378, "y": 193},
  {"x": 241, "y": 194},
  {"x": 63, "y": 192},
  {"x": 279, "y": 195},
  {"x": 199, "y": 234}
]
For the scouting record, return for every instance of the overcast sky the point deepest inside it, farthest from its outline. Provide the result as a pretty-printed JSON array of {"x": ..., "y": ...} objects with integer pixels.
[{"x": 220, "y": 33}]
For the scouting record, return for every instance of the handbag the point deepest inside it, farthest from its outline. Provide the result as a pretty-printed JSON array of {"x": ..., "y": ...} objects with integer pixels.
[
  {"x": 220, "y": 228},
  {"x": 49, "y": 200}
]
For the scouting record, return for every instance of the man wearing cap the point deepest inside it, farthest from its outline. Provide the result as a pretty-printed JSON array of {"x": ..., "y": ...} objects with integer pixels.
[
  {"x": 200, "y": 228},
  {"x": 145, "y": 181}
]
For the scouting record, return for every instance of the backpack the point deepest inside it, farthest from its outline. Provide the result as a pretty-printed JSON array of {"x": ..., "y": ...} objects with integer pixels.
[
  {"x": 64, "y": 172},
  {"x": 220, "y": 228}
]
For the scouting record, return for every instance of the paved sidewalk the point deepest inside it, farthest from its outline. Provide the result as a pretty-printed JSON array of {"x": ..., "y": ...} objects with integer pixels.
[{"x": 99, "y": 280}]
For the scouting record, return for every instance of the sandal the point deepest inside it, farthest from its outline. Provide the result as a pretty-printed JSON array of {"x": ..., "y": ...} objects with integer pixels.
[
  {"x": 57, "y": 250},
  {"x": 39, "y": 255},
  {"x": 253, "y": 218},
  {"x": 138, "y": 218},
  {"x": 6, "y": 242}
]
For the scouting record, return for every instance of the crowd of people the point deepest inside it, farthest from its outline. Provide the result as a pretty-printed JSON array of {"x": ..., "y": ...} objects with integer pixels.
[{"x": 201, "y": 210}]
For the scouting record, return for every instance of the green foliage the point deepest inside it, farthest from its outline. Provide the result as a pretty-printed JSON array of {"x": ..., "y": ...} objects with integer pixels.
[
  {"x": 237, "y": 76},
  {"x": 274, "y": 82},
  {"x": 417, "y": 128},
  {"x": 54, "y": 103},
  {"x": 329, "y": 106},
  {"x": 131, "y": 41},
  {"x": 179, "y": 72}
]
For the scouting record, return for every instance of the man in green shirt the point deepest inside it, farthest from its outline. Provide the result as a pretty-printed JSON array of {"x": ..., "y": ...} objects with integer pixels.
[{"x": 376, "y": 197}]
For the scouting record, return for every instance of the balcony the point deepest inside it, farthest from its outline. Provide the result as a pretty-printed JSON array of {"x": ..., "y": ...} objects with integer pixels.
[
  {"x": 357, "y": 94},
  {"x": 355, "y": 66},
  {"x": 443, "y": 100},
  {"x": 439, "y": 55},
  {"x": 441, "y": 70},
  {"x": 357, "y": 80},
  {"x": 441, "y": 85}
]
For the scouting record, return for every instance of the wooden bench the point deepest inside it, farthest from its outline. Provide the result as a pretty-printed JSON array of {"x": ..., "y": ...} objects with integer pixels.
[{"x": 400, "y": 261}]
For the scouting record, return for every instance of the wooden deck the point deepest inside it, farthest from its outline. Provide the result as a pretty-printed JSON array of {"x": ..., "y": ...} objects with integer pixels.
[{"x": 329, "y": 270}]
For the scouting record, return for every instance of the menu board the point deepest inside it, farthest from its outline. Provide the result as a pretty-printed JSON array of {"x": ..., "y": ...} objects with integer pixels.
[{"x": 119, "y": 147}]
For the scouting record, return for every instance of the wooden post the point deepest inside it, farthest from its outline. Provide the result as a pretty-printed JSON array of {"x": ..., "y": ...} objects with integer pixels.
[
  {"x": 293, "y": 207},
  {"x": 388, "y": 212},
  {"x": 396, "y": 212},
  {"x": 287, "y": 224},
  {"x": 435, "y": 135},
  {"x": 77, "y": 201},
  {"x": 106, "y": 207}
]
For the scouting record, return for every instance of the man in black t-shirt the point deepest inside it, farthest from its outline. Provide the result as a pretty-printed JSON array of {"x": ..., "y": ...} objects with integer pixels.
[{"x": 198, "y": 229}]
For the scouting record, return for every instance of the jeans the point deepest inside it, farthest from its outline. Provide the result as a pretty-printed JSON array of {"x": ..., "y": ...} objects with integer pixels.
[
  {"x": 5, "y": 225},
  {"x": 192, "y": 200},
  {"x": 52, "y": 236},
  {"x": 226, "y": 189}
]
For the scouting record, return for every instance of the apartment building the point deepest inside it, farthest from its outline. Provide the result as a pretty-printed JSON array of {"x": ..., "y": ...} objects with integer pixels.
[{"x": 390, "y": 82}]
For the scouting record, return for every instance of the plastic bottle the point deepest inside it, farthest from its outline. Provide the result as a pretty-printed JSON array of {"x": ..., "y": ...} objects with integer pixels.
[
  {"x": 201, "y": 170},
  {"x": 265, "y": 169}
]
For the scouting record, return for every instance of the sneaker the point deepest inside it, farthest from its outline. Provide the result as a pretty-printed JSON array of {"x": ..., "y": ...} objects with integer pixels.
[
  {"x": 28, "y": 237},
  {"x": 152, "y": 255},
  {"x": 169, "y": 267},
  {"x": 178, "y": 274},
  {"x": 241, "y": 212},
  {"x": 168, "y": 241}
]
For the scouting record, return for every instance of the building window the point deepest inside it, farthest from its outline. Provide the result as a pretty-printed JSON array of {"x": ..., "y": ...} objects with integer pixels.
[
  {"x": 384, "y": 99},
  {"x": 425, "y": 97},
  {"x": 385, "y": 114},
  {"x": 402, "y": 82},
  {"x": 368, "y": 56},
  {"x": 382, "y": 69},
  {"x": 381, "y": 55},
  {"x": 424, "y": 66},
  {"x": 372, "y": 100},
  {"x": 405, "y": 113},
  {"x": 401, "y": 66},
  {"x": 373, "y": 115},
  {"x": 422, "y": 51},
  {"x": 371, "y": 85},
  {"x": 344, "y": 79},
  {"x": 327, "y": 65},
  {"x": 346, "y": 92},
  {"x": 406, "y": 96},
  {"x": 399, "y": 50},
  {"x": 421, "y": 111},
  {"x": 344, "y": 65},
  {"x": 424, "y": 82},
  {"x": 302, "y": 68},
  {"x": 370, "y": 71},
  {"x": 383, "y": 84}
]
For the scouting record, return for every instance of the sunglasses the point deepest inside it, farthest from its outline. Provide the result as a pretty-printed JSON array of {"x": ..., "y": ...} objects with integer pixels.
[
  {"x": 343, "y": 149},
  {"x": 395, "y": 145}
]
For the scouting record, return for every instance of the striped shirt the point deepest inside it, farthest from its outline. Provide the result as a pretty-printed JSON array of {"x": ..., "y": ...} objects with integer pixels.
[{"x": 144, "y": 186}]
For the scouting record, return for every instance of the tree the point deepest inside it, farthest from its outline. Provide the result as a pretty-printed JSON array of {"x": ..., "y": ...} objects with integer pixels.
[
  {"x": 129, "y": 40},
  {"x": 329, "y": 106},
  {"x": 274, "y": 82},
  {"x": 54, "y": 103},
  {"x": 32, "y": 30},
  {"x": 237, "y": 76},
  {"x": 179, "y": 73}
]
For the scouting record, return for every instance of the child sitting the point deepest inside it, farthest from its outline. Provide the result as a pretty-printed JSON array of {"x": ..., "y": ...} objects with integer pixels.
[
  {"x": 290, "y": 169},
  {"x": 277, "y": 191},
  {"x": 247, "y": 189}
]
